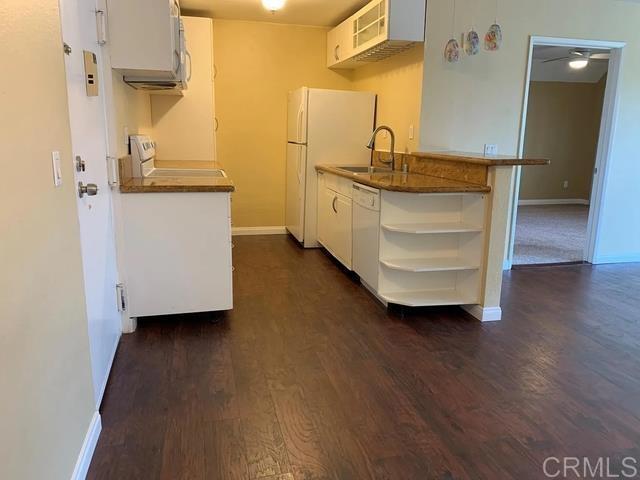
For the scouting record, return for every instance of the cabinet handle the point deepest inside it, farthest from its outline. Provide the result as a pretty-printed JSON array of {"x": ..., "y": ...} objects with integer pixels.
[
  {"x": 335, "y": 52},
  {"x": 188, "y": 55},
  {"x": 333, "y": 205},
  {"x": 216, "y": 124},
  {"x": 102, "y": 27}
]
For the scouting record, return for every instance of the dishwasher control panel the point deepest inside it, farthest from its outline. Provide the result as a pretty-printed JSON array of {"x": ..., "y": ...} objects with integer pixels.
[{"x": 366, "y": 196}]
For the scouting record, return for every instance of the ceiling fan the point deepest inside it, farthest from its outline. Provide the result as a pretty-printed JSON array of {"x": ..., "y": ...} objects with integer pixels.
[{"x": 580, "y": 57}]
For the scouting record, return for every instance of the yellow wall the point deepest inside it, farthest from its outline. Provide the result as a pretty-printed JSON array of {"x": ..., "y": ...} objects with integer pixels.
[
  {"x": 132, "y": 110},
  {"x": 563, "y": 123},
  {"x": 398, "y": 83},
  {"x": 258, "y": 63},
  {"x": 47, "y": 395}
]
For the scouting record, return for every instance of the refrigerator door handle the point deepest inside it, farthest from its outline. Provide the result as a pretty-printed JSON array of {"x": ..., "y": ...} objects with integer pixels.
[
  {"x": 299, "y": 165},
  {"x": 300, "y": 118}
]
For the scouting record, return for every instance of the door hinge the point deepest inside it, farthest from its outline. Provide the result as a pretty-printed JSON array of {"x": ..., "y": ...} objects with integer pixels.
[
  {"x": 121, "y": 298},
  {"x": 66, "y": 48},
  {"x": 101, "y": 27},
  {"x": 112, "y": 171}
]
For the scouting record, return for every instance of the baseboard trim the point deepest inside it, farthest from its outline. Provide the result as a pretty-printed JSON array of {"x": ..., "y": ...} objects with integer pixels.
[
  {"x": 484, "y": 314},
  {"x": 373, "y": 292},
  {"x": 245, "y": 231},
  {"x": 629, "y": 258},
  {"x": 554, "y": 201},
  {"x": 88, "y": 447}
]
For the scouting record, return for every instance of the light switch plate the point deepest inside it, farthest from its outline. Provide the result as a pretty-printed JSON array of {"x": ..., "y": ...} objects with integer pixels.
[
  {"x": 57, "y": 170},
  {"x": 490, "y": 149}
]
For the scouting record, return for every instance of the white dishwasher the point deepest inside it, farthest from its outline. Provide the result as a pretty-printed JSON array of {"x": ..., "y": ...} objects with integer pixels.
[{"x": 366, "y": 233}]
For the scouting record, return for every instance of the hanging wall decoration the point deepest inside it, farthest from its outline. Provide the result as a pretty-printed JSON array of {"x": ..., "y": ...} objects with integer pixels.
[
  {"x": 493, "y": 37},
  {"x": 472, "y": 39},
  {"x": 472, "y": 43},
  {"x": 452, "y": 49}
]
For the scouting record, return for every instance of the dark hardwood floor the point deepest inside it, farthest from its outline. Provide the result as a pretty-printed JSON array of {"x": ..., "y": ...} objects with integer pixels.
[{"x": 310, "y": 378}]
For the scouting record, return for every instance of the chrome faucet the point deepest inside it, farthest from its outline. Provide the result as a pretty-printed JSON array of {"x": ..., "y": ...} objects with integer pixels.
[{"x": 372, "y": 142}]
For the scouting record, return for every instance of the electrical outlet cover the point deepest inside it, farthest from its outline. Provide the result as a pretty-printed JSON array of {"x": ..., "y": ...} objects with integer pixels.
[{"x": 490, "y": 149}]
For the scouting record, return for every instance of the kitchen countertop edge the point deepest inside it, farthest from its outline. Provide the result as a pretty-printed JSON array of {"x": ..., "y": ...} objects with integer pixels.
[
  {"x": 480, "y": 159},
  {"x": 132, "y": 186},
  {"x": 445, "y": 185}
]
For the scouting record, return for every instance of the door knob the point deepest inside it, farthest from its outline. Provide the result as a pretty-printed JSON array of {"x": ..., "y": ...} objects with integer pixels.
[{"x": 90, "y": 189}]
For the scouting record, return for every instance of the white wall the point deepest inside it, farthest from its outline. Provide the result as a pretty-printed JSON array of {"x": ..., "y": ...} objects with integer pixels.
[{"x": 480, "y": 99}]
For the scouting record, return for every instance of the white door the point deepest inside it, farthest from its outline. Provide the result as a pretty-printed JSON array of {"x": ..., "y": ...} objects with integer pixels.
[
  {"x": 296, "y": 172},
  {"x": 88, "y": 137}
]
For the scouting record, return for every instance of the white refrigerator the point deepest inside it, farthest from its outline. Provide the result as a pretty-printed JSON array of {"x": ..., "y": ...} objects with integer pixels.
[{"x": 324, "y": 126}]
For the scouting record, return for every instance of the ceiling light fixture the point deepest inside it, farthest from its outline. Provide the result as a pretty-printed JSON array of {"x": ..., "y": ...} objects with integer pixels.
[
  {"x": 578, "y": 64},
  {"x": 273, "y": 5}
]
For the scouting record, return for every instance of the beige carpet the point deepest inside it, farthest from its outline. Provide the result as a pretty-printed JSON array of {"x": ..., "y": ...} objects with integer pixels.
[{"x": 550, "y": 234}]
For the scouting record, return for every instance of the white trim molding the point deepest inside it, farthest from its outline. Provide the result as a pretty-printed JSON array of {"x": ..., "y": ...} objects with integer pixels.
[
  {"x": 484, "y": 314},
  {"x": 605, "y": 139},
  {"x": 554, "y": 201},
  {"x": 629, "y": 258},
  {"x": 88, "y": 447},
  {"x": 243, "y": 231}
]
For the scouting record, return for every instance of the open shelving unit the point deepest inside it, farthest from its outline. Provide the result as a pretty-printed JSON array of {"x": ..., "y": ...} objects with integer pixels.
[{"x": 431, "y": 248}]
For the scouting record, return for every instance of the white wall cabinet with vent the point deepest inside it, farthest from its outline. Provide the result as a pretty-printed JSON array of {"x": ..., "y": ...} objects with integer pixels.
[
  {"x": 144, "y": 37},
  {"x": 378, "y": 30}
]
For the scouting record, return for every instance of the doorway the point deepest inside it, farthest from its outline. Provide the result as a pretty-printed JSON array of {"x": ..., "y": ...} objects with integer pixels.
[{"x": 568, "y": 116}]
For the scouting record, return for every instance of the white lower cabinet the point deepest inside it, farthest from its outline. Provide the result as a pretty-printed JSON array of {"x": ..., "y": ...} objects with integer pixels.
[
  {"x": 335, "y": 218},
  {"x": 177, "y": 251},
  {"x": 431, "y": 248}
]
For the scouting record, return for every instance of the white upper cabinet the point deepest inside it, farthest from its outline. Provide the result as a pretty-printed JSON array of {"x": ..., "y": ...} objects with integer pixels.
[
  {"x": 339, "y": 44},
  {"x": 144, "y": 37},
  {"x": 378, "y": 30}
]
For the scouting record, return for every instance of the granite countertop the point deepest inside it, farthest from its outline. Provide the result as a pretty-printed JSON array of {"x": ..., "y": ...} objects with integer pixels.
[
  {"x": 406, "y": 182},
  {"x": 177, "y": 184},
  {"x": 481, "y": 159}
]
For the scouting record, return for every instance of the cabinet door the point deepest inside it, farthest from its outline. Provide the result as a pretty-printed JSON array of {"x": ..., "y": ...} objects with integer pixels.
[
  {"x": 342, "y": 229},
  {"x": 325, "y": 199},
  {"x": 142, "y": 36},
  {"x": 339, "y": 44}
]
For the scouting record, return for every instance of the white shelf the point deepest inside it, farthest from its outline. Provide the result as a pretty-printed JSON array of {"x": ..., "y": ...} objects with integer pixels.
[
  {"x": 428, "y": 228},
  {"x": 428, "y": 298},
  {"x": 430, "y": 264}
]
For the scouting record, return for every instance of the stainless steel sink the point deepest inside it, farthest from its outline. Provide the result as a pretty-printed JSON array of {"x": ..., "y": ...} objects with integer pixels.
[
  {"x": 362, "y": 170},
  {"x": 187, "y": 172}
]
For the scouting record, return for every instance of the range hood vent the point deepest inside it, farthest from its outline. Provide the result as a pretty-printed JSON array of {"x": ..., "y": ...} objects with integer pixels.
[{"x": 383, "y": 50}]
